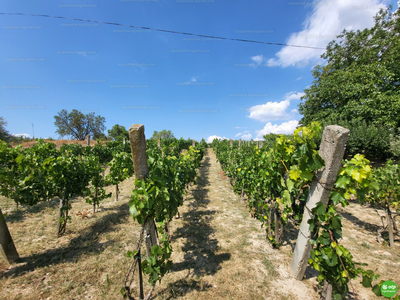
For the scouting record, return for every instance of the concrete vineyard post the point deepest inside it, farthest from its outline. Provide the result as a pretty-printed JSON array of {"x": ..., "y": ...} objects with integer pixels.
[
  {"x": 240, "y": 142},
  {"x": 88, "y": 140},
  {"x": 231, "y": 143},
  {"x": 139, "y": 157},
  {"x": 159, "y": 143},
  {"x": 124, "y": 141},
  {"x": 7, "y": 246},
  {"x": 194, "y": 143},
  {"x": 332, "y": 149},
  {"x": 260, "y": 144}
]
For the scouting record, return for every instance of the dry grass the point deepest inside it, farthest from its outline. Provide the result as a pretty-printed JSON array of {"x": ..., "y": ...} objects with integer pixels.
[
  {"x": 58, "y": 143},
  {"x": 220, "y": 252}
]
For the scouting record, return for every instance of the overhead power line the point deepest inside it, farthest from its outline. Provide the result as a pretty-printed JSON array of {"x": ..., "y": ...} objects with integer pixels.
[{"x": 164, "y": 30}]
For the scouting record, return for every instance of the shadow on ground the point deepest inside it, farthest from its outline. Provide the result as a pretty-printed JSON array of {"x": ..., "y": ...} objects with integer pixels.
[
  {"x": 23, "y": 211},
  {"x": 86, "y": 243},
  {"x": 201, "y": 256}
]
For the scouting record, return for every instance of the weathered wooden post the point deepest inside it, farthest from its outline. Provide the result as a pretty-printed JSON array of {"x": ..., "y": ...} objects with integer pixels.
[
  {"x": 7, "y": 246},
  {"x": 231, "y": 143},
  {"x": 139, "y": 157},
  {"x": 332, "y": 149},
  {"x": 88, "y": 140},
  {"x": 123, "y": 141},
  {"x": 159, "y": 143},
  {"x": 194, "y": 143},
  {"x": 240, "y": 142},
  {"x": 260, "y": 144}
]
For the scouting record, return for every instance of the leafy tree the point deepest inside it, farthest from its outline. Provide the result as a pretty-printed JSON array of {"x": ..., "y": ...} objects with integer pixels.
[
  {"x": 118, "y": 133},
  {"x": 360, "y": 81},
  {"x": 164, "y": 134},
  {"x": 4, "y": 134},
  {"x": 79, "y": 125},
  {"x": 270, "y": 138}
]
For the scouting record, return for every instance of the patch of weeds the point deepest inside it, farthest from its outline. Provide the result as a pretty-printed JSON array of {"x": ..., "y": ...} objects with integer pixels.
[
  {"x": 366, "y": 245},
  {"x": 243, "y": 243},
  {"x": 270, "y": 268}
]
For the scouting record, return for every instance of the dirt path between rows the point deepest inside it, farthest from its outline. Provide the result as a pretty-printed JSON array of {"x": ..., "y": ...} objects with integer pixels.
[{"x": 221, "y": 252}]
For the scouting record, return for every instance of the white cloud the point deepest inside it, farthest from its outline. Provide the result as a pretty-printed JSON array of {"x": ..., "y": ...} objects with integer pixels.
[
  {"x": 247, "y": 136},
  {"x": 269, "y": 111},
  {"x": 299, "y": 78},
  {"x": 284, "y": 128},
  {"x": 25, "y": 135},
  {"x": 241, "y": 133},
  {"x": 274, "y": 110},
  {"x": 258, "y": 59},
  {"x": 240, "y": 127},
  {"x": 294, "y": 95},
  {"x": 327, "y": 20},
  {"x": 212, "y": 137},
  {"x": 194, "y": 79}
]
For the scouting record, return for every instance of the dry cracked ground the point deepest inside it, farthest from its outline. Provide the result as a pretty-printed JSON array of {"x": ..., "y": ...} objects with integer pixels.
[{"x": 219, "y": 250}]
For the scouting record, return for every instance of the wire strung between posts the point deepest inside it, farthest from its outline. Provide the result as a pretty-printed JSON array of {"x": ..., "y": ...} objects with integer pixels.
[{"x": 164, "y": 30}]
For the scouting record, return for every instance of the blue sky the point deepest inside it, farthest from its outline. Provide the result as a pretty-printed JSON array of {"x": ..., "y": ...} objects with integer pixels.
[{"x": 196, "y": 87}]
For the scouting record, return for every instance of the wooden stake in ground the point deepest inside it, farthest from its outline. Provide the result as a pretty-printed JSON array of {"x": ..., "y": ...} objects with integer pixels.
[
  {"x": 116, "y": 192},
  {"x": 231, "y": 143},
  {"x": 194, "y": 143},
  {"x": 240, "y": 142},
  {"x": 7, "y": 246},
  {"x": 390, "y": 225},
  {"x": 88, "y": 140},
  {"x": 332, "y": 148},
  {"x": 139, "y": 157}
]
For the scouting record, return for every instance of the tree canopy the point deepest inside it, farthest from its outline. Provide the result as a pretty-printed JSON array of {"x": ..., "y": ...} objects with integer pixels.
[
  {"x": 360, "y": 83},
  {"x": 163, "y": 134},
  {"x": 118, "y": 133},
  {"x": 4, "y": 134},
  {"x": 79, "y": 125}
]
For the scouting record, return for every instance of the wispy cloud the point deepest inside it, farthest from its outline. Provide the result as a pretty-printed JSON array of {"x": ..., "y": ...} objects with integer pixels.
[
  {"x": 258, "y": 59},
  {"x": 244, "y": 135}
]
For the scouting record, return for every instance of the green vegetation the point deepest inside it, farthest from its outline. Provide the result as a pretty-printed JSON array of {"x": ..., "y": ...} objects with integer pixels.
[
  {"x": 359, "y": 87},
  {"x": 78, "y": 125},
  {"x": 163, "y": 134},
  {"x": 118, "y": 133},
  {"x": 277, "y": 183}
]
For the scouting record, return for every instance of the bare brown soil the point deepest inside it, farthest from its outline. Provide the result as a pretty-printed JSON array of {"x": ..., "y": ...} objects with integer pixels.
[{"x": 219, "y": 250}]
